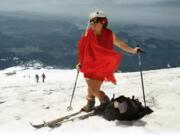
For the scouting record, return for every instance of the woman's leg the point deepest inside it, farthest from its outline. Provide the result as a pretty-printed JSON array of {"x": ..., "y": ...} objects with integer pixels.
[
  {"x": 94, "y": 91},
  {"x": 103, "y": 98},
  {"x": 90, "y": 95},
  {"x": 97, "y": 92}
]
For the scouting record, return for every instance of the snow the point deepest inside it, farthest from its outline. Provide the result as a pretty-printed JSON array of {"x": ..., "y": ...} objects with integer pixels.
[{"x": 22, "y": 100}]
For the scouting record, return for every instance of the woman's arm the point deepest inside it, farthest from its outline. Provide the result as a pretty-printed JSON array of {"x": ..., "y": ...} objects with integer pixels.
[{"x": 122, "y": 45}]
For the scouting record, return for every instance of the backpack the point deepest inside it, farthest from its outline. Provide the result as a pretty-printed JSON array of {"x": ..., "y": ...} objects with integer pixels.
[{"x": 125, "y": 108}]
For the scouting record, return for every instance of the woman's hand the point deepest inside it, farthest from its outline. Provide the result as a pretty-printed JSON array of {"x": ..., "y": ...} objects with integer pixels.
[
  {"x": 78, "y": 66},
  {"x": 137, "y": 50}
]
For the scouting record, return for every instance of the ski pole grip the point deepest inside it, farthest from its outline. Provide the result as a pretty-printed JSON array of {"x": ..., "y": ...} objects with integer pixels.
[{"x": 139, "y": 50}]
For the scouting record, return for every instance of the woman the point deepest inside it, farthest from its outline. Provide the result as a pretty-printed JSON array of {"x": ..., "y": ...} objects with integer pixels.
[{"x": 97, "y": 59}]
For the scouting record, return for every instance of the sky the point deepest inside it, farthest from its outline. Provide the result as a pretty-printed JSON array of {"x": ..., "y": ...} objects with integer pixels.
[{"x": 165, "y": 12}]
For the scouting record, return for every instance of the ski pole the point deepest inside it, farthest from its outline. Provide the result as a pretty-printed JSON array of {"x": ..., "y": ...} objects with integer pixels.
[
  {"x": 70, "y": 107},
  {"x": 140, "y": 69}
]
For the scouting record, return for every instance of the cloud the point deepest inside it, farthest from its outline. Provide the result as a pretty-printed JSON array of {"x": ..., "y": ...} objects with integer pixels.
[
  {"x": 84, "y": 2},
  {"x": 41, "y": 5},
  {"x": 169, "y": 3},
  {"x": 160, "y": 11}
]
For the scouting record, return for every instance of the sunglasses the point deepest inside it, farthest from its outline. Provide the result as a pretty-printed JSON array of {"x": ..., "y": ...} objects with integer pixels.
[{"x": 94, "y": 21}]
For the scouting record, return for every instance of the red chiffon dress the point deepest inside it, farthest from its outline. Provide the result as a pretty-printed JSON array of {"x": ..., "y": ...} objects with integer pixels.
[{"x": 96, "y": 55}]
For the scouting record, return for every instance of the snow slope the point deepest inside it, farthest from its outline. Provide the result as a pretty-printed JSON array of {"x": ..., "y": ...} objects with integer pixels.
[{"x": 22, "y": 100}]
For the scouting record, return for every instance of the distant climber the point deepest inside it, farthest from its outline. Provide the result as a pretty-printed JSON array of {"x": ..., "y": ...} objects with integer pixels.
[
  {"x": 37, "y": 78},
  {"x": 43, "y": 77}
]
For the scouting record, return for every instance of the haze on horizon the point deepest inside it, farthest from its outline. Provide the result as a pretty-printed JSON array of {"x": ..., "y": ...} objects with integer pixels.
[{"x": 154, "y": 12}]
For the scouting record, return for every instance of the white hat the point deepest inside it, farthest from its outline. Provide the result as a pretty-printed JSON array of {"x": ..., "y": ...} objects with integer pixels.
[{"x": 99, "y": 13}]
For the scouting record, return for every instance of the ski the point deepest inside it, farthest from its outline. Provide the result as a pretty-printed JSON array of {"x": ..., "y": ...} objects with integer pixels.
[
  {"x": 53, "y": 122},
  {"x": 81, "y": 117},
  {"x": 70, "y": 117}
]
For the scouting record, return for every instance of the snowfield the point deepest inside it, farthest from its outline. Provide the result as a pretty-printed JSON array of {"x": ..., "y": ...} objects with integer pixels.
[{"x": 22, "y": 100}]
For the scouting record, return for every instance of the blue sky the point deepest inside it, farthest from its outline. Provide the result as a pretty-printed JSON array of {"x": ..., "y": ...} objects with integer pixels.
[{"x": 165, "y": 12}]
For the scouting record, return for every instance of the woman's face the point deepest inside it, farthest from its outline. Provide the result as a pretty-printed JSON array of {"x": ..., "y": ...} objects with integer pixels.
[{"x": 96, "y": 26}]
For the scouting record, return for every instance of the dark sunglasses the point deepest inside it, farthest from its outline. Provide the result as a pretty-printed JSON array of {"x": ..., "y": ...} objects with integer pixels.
[{"x": 94, "y": 21}]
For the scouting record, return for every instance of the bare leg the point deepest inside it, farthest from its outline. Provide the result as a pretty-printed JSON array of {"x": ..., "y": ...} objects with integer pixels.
[
  {"x": 94, "y": 87},
  {"x": 96, "y": 90},
  {"x": 90, "y": 95}
]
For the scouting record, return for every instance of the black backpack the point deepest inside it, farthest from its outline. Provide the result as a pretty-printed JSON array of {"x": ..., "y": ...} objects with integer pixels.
[{"x": 125, "y": 108}]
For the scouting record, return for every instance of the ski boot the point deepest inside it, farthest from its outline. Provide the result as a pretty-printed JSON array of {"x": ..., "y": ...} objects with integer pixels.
[
  {"x": 99, "y": 109},
  {"x": 89, "y": 106}
]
